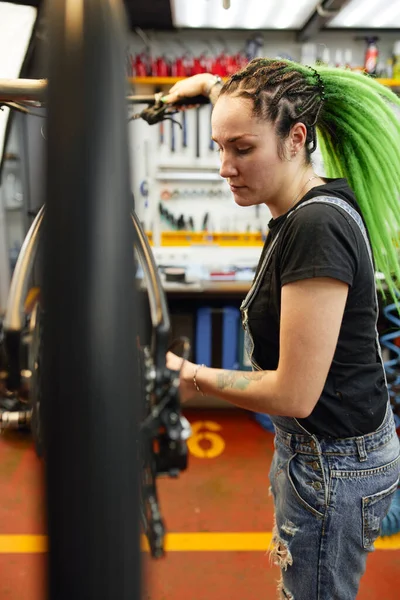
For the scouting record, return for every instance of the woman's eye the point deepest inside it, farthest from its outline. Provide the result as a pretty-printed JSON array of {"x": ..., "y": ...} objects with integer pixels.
[
  {"x": 243, "y": 150},
  {"x": 239, "y": 151}
]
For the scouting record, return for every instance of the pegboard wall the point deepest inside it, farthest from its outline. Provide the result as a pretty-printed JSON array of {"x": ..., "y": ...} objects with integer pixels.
[{"x": 175, "y": 174}]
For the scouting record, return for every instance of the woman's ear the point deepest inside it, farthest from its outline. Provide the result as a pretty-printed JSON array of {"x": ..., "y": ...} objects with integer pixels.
[{"x": 298, "y": 136}]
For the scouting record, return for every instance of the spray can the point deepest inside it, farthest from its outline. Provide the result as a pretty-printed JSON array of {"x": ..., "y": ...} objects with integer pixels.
[
  {"x": 371, "y": 55},
  {"x": 396, "y": 60}
]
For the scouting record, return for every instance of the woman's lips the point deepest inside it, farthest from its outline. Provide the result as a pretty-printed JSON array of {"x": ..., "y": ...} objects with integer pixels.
[{"x": 234, "y": 188}]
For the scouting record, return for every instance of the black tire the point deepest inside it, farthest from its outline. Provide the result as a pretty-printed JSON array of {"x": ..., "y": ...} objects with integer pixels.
[{"x": 89, "y": 392}]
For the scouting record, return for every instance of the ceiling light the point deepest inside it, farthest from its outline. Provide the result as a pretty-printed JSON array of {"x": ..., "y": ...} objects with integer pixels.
[
  {"x": 242, "y": 14},
  {"x": 369, "y": 14}
]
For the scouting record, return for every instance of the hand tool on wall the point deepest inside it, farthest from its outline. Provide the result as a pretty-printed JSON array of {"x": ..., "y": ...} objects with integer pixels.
[
  {"x": 211, "y": 144},
  {"x": 144, "y": 186},
  {"x": 184, "y": 129},
  {"x": 204, "y": 226},
  {"x": 181, "y": 223},
  {"x": 144, "y": 192},
  {"x": 198, "y": 132},
  {"x": 161, "y": 133},
  {"x": 172, "y": 136}
]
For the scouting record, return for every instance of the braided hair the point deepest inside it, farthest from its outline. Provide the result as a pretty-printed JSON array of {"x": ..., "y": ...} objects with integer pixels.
[{"x": 355, "y": 120}]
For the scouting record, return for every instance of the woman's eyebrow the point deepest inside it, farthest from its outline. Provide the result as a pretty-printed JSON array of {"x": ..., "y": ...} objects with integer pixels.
[{"x": 237, "y": 137}]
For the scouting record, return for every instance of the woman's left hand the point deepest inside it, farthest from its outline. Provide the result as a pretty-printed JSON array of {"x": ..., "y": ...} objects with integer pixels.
[{"x": 186, "y": 368}]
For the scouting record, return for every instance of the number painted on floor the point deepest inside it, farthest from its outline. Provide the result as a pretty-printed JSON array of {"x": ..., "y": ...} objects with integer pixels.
[{"x": 206, "y": 430}]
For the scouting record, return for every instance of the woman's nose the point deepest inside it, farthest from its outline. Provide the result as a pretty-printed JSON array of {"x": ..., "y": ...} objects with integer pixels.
[{"x": 227, "y": 168}]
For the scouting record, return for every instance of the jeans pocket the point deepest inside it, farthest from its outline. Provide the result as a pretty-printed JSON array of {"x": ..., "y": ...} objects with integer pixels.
[
  {"x": 280, "y": 459},
  {"x": 374, "y": 510},
  {"x": 307, "y": 484}
]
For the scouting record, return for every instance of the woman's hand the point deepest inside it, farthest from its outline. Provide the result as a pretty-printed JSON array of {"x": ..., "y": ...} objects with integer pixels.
[
  {"x": 187, "y": 369},
  {"x": 196, "y": 85}
]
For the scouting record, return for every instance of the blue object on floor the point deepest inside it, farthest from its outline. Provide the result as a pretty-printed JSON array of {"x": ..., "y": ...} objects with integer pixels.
[
  {"x": 229, "y": 334},
  {"x": 203, "y": 336},
  {"x": 391, "y": 523},
  {"x": 264, "y": 421},
  {"x": 230, "y": 323}
]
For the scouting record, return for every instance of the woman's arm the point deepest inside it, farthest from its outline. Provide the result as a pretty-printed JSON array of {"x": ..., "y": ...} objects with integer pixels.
[
  {"x": 204, "y": 84},
  {"x": 311, "y": 317}
]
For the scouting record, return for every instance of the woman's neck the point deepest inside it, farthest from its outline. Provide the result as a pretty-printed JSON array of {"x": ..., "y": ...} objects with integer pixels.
[{"x": 302, "y": 184}]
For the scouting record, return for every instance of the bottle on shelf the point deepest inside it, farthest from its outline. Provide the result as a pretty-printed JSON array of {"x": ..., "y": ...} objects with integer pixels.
[
  {"x": 371, "y": 56},
  {"x": 396, "y": 60}
]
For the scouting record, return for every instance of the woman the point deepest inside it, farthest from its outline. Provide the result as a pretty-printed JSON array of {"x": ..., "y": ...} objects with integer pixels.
[{"x": 310, "y": 316}]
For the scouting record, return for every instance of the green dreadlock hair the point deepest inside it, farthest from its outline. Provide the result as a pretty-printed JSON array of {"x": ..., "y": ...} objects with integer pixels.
[{"x": 354, "y": 118}]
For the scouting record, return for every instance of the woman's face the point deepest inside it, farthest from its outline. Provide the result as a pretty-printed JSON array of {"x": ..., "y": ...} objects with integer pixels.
[{"x": 248, "y": 148}]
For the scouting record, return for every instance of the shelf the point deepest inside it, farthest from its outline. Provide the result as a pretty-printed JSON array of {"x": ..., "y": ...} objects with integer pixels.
[
  {"x": 171, "y": 80},
  {"x": 154, "y": 80},
  {"x": 173, "y": 167},
  {"x": 389, "y": 82},
  {"x": 187, "y": 176},
  {"x": 204, "y": 238}
]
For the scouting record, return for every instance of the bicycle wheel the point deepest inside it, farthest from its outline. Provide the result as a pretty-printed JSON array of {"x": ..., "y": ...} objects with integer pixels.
[{"x": 89, "y": 379}]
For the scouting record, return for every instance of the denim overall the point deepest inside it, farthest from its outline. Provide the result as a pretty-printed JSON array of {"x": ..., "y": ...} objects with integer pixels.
[{"x": 330, "y": 495}]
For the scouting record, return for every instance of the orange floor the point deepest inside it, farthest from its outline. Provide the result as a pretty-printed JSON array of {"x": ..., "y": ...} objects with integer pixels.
[{"x": 218, "y": 514}]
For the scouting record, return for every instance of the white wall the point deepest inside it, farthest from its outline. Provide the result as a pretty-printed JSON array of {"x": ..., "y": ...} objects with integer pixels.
[{"x": 16, "y": 24}]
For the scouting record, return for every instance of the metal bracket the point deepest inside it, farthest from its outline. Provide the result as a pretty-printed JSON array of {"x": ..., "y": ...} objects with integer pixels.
[{"x": 326, "y": 13}]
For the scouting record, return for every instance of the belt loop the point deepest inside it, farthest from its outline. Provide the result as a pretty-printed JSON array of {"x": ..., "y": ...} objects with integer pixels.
[{"x": 362, "y": 453}]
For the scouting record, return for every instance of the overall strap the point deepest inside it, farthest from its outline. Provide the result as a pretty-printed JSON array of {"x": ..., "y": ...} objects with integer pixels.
[{"x": 348, "y": 209}]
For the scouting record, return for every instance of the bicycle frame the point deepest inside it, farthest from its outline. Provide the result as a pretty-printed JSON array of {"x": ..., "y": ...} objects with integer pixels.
[{"x": 97, "y": 408}]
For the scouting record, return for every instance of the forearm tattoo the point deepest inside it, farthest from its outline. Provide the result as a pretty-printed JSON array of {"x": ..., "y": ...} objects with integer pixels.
[{"x": 237, "y": 381}]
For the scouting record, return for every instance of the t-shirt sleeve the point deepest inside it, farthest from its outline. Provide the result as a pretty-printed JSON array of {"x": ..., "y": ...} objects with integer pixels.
[{"x": 318, "y": 241}]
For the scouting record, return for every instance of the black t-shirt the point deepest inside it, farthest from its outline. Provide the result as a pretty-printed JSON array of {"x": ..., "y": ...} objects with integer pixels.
[{"x": 322, "y": 240}]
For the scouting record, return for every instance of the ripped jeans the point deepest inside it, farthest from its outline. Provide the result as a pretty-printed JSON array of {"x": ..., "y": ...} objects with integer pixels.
[{"x": 330, "y": 499}]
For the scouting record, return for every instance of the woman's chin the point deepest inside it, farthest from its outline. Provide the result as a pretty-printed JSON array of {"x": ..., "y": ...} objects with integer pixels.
[{"x": 243, "y": 199}]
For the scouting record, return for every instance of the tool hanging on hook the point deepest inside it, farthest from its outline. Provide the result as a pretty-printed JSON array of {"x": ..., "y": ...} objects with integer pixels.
[
  {"x": 161, "y": 133},
  {"x": 211, "y": 143},
  {"x": 173, "y": 135},
  {"x": 184, "y": 130},
  {"x": 198, "y": 132}
]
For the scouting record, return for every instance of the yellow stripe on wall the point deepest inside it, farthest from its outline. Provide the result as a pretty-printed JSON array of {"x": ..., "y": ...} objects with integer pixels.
[{"x": 181, "y": 542}]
